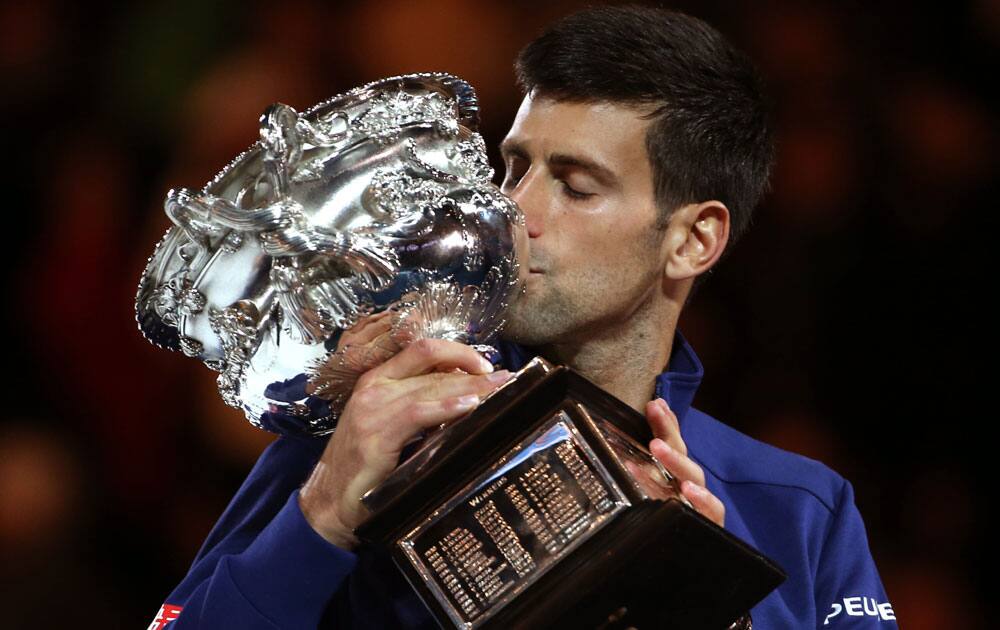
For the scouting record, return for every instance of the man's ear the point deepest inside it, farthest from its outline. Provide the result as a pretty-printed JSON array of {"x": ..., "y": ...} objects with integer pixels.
[{"x": 696, "y": 237}]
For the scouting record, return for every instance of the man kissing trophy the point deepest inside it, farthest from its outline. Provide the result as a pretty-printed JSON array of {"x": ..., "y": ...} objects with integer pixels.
[{"x": 365, "y": 224}]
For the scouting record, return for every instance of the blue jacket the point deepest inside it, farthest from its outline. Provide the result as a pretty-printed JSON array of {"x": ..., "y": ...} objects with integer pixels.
[{"x": 263, "y": 566}]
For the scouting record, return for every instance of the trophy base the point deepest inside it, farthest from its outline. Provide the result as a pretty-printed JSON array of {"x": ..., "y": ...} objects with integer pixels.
[{"x": 543, "y": 507}]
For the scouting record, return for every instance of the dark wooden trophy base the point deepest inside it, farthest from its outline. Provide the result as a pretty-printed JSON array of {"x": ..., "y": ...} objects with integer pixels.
[{"x": 543, "y": 508}]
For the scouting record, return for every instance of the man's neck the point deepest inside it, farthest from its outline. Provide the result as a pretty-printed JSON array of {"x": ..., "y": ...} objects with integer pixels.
[{"x": 624, "y": 360}]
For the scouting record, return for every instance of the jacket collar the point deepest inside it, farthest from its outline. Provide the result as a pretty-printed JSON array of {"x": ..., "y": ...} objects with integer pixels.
[{"x": 677, "y": 385}]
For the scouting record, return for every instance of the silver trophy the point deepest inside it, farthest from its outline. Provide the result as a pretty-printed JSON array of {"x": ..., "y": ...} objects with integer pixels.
[{"x": 375, "y": 201}]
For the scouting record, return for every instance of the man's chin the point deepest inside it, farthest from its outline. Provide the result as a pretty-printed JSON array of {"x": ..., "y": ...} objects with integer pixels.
[
  {"x": 515, "y": 332},
  {"x": 535, "y": 319},
  {"x": 525, "y": 333}
]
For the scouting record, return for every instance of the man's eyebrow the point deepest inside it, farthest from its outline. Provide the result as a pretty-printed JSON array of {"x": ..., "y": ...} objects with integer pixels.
[{"x": 513, "y": 147}]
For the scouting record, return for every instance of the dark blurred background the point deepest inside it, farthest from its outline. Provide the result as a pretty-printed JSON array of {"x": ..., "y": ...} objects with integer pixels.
[{"x": 849, "y": 326}]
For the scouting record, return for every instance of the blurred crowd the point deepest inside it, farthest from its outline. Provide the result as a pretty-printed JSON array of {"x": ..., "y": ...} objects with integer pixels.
[{"x": 848, "y": 326}]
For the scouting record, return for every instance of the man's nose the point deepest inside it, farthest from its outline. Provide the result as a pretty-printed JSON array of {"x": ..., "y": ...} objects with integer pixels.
[{"x": 529, "y": 199}]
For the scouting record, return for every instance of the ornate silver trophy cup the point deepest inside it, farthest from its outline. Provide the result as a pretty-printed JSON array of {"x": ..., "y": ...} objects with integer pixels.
[
  {"x": 540, "y": 507},
  {"x": 378, "y": 199}
]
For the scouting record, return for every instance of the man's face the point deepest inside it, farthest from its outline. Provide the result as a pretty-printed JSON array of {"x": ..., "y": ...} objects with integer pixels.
[{"x": 580, "y": 173}]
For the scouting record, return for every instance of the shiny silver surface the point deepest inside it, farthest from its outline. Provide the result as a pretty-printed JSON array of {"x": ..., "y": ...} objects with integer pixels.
[{"x": 377, "y": 199}]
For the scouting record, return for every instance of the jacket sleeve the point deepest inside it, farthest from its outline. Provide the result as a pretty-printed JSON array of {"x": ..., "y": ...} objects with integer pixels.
[
  {"x": 262, "y": 566},
  {"x": 849, "y": 591}
]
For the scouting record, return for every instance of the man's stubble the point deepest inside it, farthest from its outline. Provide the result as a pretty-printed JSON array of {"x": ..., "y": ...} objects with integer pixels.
[{"x": 579, "y": 305}]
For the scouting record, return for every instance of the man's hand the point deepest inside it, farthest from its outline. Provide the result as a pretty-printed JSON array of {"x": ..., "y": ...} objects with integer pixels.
[
  {"x": 428, "y": 383},
  {"x": 668, "y": 447}
]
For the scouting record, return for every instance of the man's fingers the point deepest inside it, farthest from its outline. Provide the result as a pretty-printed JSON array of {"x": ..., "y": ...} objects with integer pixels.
[
  {"x": 431, "y": 413},
  {"x": 407, "y": 418},
  {"x": 692, "y": 481},
  {"x": 679, "y": 465},
  {"x": 440, "y": 385},
  {"x": 432, "y": 355},
  {"x": 391, "y": 413},
  {"x": 664, "y": 424},
  {"x": 705, "y": 502}
]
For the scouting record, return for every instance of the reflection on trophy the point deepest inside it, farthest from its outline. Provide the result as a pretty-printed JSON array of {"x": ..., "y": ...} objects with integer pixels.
[{"x": 542, "y": 506}]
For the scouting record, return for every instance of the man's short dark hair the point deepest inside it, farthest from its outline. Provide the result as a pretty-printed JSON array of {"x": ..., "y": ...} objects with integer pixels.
[{"x": 711, "y": 135}]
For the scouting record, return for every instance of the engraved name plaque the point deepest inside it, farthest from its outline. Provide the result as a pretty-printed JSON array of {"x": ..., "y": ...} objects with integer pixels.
[{"x": 507, "y": 527}]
